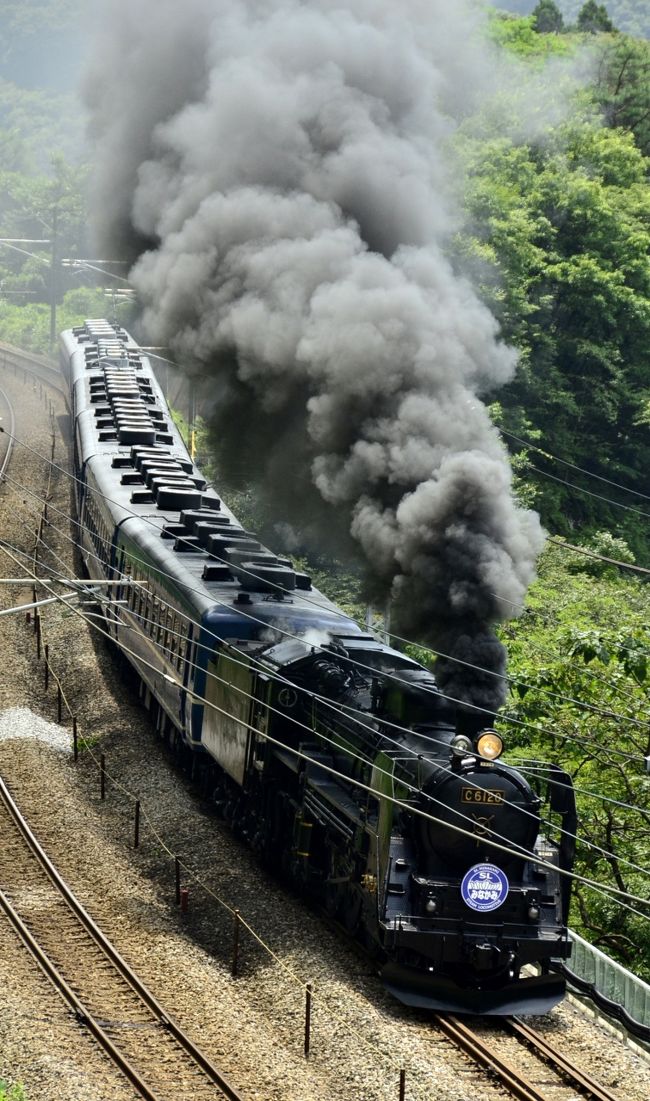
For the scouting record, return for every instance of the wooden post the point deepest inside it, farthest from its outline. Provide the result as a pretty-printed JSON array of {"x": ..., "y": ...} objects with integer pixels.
[
  {"x": 235, "y": 944},
  {"x": 402, "y": 1085},
  {"x": 308, "y": 990}
]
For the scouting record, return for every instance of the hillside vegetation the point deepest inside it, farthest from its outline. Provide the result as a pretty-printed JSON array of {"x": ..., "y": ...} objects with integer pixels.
[{"x": 629, "y": 16}]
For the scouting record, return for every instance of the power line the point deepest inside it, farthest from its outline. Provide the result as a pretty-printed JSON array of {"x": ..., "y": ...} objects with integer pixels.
[
  {"x": 474, "y": 707},
  {"x": 519, "y": 852},
  {"x": 593, "y": 554},
  {"x": 590, "y": 474},
  {"x": 590, "y": 493},
  {"x": 333, "y": 705},
  {"x": 452, "y": 699},
  {"x": 349, "y": 709}
]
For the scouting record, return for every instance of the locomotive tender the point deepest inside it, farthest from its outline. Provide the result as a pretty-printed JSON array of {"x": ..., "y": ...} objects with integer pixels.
[{"x": 337, "y": 757}]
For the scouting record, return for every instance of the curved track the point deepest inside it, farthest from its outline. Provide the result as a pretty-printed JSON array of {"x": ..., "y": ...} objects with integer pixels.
[
  {"x": 8, "y": 422},
  {"x": 33, "y": 364},
  {"x": 148, "y": 1046}
]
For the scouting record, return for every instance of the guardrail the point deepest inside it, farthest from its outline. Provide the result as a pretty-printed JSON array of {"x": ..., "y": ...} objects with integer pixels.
[
  {"x": 616, "y": 991},
  {"x": 43, "y": 368}
]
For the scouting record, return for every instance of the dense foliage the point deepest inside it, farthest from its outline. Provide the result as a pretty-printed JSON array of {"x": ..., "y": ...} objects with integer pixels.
[
  {"x": 11, "y": 1093},
  {"x": 630, "y": 16},
  {"x": 580, "y": 669},
  {"x": 568, "y": 230}
]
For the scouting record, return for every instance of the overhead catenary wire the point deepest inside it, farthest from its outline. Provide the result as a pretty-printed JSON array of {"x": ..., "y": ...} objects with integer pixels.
[
  {"x": 519, "y": 851},
  {"x": 590, "y": 473},
  {"x": 350, "y": 711},
  {"x": 552, "y": 781},
  {"x": 503, "y": 717},
  {"x": 400, "y": 745},
  {"x": 98, "y": 493},
  {"x": 336, "y": 611},
  {"x": 604, "y": 712},
  {"x": 590, "y": 493},
  {"x": 600, "y": 557},
  {"x": 453, "y": 699},
  {"x": 369, "y": 762}
]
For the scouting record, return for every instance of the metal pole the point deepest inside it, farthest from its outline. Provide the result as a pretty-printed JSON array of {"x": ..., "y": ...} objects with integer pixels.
[
  {"x": 59, "y": 702},
  {"x": 308, "y": 990},
  {"x": 53, "y": 279},
  {"x": 102, "y": 776},
  {"x": 38, "y": 635},
  {"x": 178, "y": 881},
  {"x": 136, "y": 837},
  {"x": 75, "y": 738},
  {"x": 47, "y": 665},
  {"x": 235, "y": 944}
]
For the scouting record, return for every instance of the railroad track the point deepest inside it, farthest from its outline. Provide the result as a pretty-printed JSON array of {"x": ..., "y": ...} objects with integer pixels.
[
  {"x": 102, "y": 991},
  {"x": 8, "y": 422},
  {"x": 31, "y": 363},
  {"x": 510, "y": 1076}
]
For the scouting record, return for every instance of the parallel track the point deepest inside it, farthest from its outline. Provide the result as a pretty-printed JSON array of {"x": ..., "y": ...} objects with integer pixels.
[
  {"x": 105, "y": 995},
  {"x": 32, "y": 363},
  {"x": 540, "y": 1045},
  {"x": 509, "y": 1076},
  {"x": 7, "y": 441}
]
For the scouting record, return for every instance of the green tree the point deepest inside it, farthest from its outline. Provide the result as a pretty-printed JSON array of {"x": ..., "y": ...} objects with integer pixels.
[
  {"x": 622, "y": 85},
  {"x": 593, "y": 18},
  {"x": 581, "y": 679},
  {"x": 567, "y": 228},
  {"x": 547, "y": 17}
]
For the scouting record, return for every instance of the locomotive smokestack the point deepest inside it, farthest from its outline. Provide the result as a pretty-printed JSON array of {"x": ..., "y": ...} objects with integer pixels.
[{"x": 278, "y": 172}]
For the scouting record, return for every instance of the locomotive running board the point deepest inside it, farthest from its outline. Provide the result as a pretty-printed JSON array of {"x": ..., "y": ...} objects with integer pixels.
[{"x": 535, "y": 995}]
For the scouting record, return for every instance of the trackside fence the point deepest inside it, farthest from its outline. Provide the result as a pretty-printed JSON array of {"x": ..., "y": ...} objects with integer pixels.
[{"x": 617, "y": 991}]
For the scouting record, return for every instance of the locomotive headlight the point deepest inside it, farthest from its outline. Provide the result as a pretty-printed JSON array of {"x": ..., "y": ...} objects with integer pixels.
[
  {"x": 461, "y": 746},
  {"x": 490, "y": 745}
]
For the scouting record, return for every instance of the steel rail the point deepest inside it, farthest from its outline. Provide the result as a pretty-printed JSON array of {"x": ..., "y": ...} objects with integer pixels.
[
  {"x": 541, "y": 1046},
  {"x": 81, "y": 1012},
  {"x": 472, "y": 1045},
  {"x": 145, "y": 995},
  {"x": 35, "y": 364},
  {"x": 12, "y": 431}
]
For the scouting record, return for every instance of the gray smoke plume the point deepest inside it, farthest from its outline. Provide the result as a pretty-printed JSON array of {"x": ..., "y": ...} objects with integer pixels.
[{"x": 277, "y": 170}]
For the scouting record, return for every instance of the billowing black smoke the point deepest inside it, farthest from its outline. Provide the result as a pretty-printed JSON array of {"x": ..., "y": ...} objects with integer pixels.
[{"x": 277, "y": 171}]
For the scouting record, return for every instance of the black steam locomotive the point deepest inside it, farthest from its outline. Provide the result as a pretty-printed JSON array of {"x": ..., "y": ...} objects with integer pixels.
[{"x": 336, "y": 756}]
